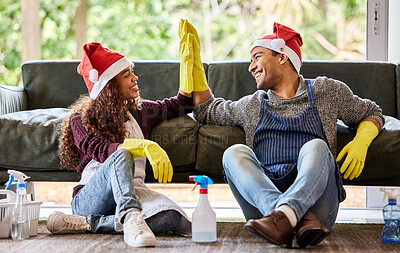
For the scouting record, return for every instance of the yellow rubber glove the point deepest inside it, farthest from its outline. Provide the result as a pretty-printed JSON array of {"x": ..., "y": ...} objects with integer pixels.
[
  {"x": 158, "y": 158},
  {"x": 187, "y": 58},
  {"x": 199, "y": 76},
  {"x": 356, "y": 150}
]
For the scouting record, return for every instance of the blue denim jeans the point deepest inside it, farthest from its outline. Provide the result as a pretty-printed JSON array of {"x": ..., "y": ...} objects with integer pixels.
[
  {"x": 111, "y": 194},
  {"x": 314, "y": 189}
]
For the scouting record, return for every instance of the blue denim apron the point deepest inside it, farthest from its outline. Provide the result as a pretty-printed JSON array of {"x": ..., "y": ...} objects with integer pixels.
[{"x": 278, "y": 140}]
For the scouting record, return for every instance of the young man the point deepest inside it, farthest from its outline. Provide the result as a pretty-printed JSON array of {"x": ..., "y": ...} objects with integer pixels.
[{"x": 286, "y": 179}]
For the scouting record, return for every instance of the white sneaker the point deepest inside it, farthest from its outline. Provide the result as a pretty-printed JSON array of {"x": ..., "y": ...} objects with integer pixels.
[
  {"x": 136, "y": 231},
  {"x": 60, "y": 223}
]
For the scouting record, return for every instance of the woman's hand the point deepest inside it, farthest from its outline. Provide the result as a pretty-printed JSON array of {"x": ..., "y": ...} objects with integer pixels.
[{"x": 158, "y": 158}]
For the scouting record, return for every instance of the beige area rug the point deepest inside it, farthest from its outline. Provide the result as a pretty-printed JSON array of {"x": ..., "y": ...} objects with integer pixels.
[{"x": 231, "y": 238}]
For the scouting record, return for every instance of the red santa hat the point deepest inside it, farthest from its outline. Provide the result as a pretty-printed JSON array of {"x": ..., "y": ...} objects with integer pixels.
[
  {"x": 284, "y": 40},
  {"x": 99, "y": 65}
]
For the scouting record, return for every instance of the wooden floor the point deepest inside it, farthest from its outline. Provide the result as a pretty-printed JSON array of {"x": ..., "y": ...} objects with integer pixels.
[{"x": 231, "y": 237}]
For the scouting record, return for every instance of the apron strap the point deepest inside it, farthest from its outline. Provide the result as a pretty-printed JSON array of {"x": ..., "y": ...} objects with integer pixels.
[{"x": 310, "y": 93}]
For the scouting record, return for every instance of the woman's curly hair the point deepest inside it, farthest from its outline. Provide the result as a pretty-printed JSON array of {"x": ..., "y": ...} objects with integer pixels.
[{"x": 106, "y": 116}]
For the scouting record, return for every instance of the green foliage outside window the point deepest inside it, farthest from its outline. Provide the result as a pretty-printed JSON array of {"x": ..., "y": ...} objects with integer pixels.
[{"x": 147, "y": 29}]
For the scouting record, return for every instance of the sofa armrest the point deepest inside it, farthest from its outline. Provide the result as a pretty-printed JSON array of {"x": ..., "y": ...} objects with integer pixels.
[{"x": 12, "y": 99}]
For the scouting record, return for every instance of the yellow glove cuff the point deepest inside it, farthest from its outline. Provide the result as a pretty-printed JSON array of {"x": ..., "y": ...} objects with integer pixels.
[
  {"x": 366, "y": 131},
  {"x": 135, "y": 146},
  {"x": 199, "y": 77}
]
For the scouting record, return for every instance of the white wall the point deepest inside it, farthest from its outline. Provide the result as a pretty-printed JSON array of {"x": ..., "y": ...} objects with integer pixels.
[{"x": 394, "y": 31}]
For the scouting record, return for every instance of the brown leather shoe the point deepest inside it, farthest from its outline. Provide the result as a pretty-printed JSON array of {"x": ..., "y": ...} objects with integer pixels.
[
  {"x": 310, "y": 231},
  {"x": 274, "y": 228}
]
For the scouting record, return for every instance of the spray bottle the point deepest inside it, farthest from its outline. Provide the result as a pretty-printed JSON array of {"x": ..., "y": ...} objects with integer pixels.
[
  {"x": 391, "y": 215},
  {"x": 204, "y": 220},
  {"x": 20, "y": 219}
]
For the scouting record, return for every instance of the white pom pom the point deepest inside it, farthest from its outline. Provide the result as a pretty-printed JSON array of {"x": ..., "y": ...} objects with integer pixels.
[
  {"x": 93, "y": 75},
  {"x": 278, "y": 44}
]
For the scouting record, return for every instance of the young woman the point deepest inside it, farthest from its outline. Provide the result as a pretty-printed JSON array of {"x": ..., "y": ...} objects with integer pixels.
[{"x": 104, "y": 139}]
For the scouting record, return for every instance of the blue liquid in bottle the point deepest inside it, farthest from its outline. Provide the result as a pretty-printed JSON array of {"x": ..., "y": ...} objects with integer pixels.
[{"x": 391, "y": 215}]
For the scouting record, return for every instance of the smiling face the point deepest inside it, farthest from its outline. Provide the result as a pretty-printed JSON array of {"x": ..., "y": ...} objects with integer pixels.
[
  {"x": 266, "y": 68},
  {"x": 128, "y": 83}
]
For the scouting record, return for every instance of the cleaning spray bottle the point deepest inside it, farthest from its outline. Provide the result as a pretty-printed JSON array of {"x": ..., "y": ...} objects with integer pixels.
[
  {"x": 20, "y": 219},
  {"x": 391, "y": 215},
  {"x": 204, "y": 220}
]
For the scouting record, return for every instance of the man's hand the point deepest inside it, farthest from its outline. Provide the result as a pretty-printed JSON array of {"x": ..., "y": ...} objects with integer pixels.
[
  {"x": 357, "y": 149},
  {"x": 199, "y": 76}
]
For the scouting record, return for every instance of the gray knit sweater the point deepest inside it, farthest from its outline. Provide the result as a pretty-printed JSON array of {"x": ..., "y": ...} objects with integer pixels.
[{"x": 334, "y": 99}]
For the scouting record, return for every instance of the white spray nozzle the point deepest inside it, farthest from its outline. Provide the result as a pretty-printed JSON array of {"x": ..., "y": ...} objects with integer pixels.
[{"x": 16, "y": 175}]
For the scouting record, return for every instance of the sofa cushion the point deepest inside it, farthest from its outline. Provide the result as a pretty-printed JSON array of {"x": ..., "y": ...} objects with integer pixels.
[
  {"x": 47, "y": 81},
  {"x": 372, "y": 80},
  {"x": 381, "y": 164},
  {"x": 178, "y": 137},
  {"x": 212, "y": 142},
  {"x": 52, "y": 84},
  {"x": 29, "y": 139},
  {"x": 158, "y": 79},
  {"x": 231, "y": 80}
]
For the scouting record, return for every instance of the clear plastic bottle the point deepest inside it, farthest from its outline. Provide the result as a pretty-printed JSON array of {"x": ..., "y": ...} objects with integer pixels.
[
  {"x": 204, "y": 219},
  {"x": 391, "y": 215},
  {"x": 20, "y": 223}
]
